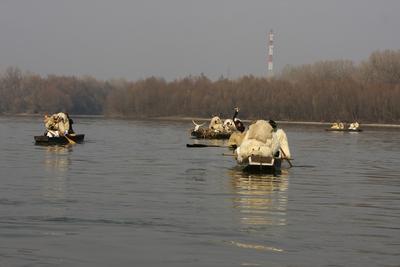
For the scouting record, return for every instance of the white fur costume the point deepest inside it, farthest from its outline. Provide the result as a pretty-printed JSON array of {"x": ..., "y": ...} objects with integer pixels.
[
  {"x": 283, "y": 143},
  {"x": 259, "y": 140},
  {"x": 216, "y": 124},
  {"x": 229, "y": 125}
]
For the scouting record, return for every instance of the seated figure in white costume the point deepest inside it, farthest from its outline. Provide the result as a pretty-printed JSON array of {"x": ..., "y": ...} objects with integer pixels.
[{"x": 57, "y": 124}]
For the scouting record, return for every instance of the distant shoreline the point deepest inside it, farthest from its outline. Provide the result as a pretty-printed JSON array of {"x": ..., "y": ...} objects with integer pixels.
[{"x": 201, "y": 119}]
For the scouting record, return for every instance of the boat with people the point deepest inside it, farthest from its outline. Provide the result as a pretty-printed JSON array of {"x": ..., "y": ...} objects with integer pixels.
[
  {"x": 209, "y": 134},
  {"x": 59, "y": 140},
  {"x": 58, "y": 131},
  {"x": 343, "y": 130},
  {"x": 263, "y": 148},
  {"x": 218, "y": 129},
  {"x": 342, "y": 127}
]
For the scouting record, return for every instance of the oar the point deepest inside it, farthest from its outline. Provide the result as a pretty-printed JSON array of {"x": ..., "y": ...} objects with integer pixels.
[
  {"x": 288, "y": 160},
  {"x": 203, "y": 145},
  {"x": 72, "y": 142}
]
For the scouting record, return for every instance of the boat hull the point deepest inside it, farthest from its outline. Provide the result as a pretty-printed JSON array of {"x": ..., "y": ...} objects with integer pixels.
[
  {"x": 343, "y": 130},
  {"x": 263, "y": 165},
  {"x": 61, "y": 140},
  {"x": 207, "y": 134}
]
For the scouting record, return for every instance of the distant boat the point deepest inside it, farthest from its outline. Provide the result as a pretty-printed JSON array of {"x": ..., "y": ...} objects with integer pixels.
[
  {"x": 209, "y": 134},
  {"x": 61, "y": 140},
  {"x": 343, "y": 130}
]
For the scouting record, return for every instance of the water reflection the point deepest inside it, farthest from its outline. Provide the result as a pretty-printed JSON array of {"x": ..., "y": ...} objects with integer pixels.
[
  {"x": 56, "y": 164},
  {"x": 57, "y": 158},
  {"x": 260, "y": 199}
]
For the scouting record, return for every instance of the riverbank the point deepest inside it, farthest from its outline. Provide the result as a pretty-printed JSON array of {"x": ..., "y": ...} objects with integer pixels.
[{"x": 201, "y": 120}]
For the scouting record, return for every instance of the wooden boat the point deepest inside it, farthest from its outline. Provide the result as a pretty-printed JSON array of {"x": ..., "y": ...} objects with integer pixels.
[
  {"x": 61, "y": 140},
  {"x": 209, "y": 134},
  {"x": 257, "y": 164},
  {"x": 343, "y": 130}
]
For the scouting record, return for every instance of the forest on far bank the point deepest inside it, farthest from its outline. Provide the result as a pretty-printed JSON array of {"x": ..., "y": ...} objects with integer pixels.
[{"x": 325, "y": 91}]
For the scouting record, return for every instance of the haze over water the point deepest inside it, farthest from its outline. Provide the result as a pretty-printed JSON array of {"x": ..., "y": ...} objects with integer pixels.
[{"x": 134, "y": 195}]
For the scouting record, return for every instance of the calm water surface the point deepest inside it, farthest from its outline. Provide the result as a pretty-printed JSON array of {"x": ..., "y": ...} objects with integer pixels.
[{"x": 134, "y": 195}]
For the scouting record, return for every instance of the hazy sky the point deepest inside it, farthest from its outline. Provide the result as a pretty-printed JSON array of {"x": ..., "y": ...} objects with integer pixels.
[{"x": 174, "y": 38}]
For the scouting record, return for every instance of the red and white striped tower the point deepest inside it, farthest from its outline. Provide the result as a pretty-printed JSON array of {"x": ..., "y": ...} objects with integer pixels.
[{"x": 270, "y": 72}]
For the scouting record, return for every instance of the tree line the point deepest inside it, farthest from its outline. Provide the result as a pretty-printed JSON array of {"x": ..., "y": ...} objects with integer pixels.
[{"x": 324, "y": 91}]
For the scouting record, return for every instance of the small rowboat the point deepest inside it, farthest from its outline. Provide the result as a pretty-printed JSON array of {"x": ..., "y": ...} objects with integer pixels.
[
  {"x": 343, "y": 130},
  {"x": 255, "y": 164},
  {"x": 209, "y": 134},
  {"x": 61, "y": 140}
]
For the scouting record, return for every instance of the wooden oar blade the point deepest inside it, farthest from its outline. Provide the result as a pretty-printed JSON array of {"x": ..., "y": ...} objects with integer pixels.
[
  {"x": 201, "y": 145},
  {"x": 72, "y": 142}
]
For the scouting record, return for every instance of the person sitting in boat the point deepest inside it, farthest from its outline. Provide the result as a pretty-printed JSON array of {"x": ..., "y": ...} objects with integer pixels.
[
  {"x": 216, "y": 125},
  {"x": 238, "y": 123},
  {"x": 57, "y": 124},
  {"x": 65, "y": 123},
  {"x": 281, "y": 137},
  {"x": 50, "y": 123},
  {"x": 335, "y": 125},
  {"x": 62, "y": 123},
  {"x": 236, "y": 138},
  {"x": 354, "y": 126},
  {"x": 229, "y": 126},
  {"x": 341, "y": 125}
]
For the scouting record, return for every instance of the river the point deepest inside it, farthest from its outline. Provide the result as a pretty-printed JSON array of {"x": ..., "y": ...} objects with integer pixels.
[{"x": 133, "y": 195}]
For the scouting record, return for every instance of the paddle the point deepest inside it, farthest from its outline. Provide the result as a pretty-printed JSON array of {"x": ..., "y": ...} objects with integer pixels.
[
  {"x": 72, "y": 142},
  {"x": 285, "y": 157},
  {"x": 203, "y": 145}
]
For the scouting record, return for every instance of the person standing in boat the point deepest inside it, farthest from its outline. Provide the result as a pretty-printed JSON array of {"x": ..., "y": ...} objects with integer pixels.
[
  {"x": 70, "y": 131},
  {"x": 238, "y": 123},
  {"x": 236, "y": 137},
  {"x": 281, "y": 138}
]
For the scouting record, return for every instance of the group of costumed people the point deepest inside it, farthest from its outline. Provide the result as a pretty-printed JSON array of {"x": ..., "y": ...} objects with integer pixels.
[
  {"x": 228, "y": 126},
  {"x": 216, "y": 126},
  {"x": 263, "y": 138},
  {"x": 342, "y": 126},
  {"x": 58, "y": 124}
]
